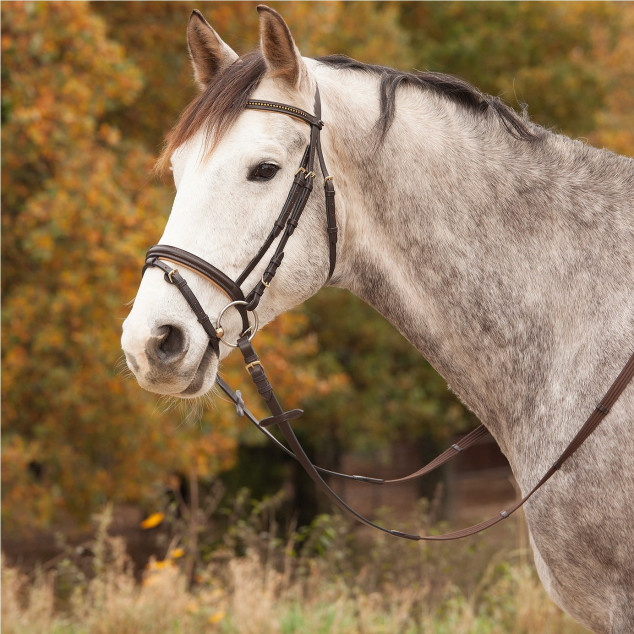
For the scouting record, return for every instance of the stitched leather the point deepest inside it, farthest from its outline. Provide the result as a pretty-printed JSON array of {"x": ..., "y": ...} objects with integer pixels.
[
  {"x": 589, "y": 426},
  {"x": 174, "y": 277},
  {"x": 282, "y": 108}
]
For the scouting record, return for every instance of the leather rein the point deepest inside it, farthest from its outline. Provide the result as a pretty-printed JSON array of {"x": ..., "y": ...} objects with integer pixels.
[{"x": 162, "y": 256}]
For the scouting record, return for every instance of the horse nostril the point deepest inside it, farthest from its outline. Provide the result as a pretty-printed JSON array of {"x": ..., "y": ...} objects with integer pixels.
[{"x": 168, "y": 345}]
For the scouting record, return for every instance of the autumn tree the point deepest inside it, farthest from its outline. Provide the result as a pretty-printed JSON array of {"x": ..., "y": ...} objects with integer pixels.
[
  {"x": 79, "y": 210},
  {"x": 75, "y": 218}
]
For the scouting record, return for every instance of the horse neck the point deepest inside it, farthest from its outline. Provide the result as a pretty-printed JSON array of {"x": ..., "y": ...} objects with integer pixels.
[{"x": 507, "y": 263}]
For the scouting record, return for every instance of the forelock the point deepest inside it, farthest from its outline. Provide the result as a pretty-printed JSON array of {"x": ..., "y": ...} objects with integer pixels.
[{"x": 217, "y": 107}]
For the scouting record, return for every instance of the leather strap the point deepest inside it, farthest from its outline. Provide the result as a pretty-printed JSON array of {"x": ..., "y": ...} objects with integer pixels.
[
  {"x": 306, "y": 169},
  {"x": 282, "y": 108},
  {"x": 595, "y": 418},
  {"x": 333, "y": 231},
  {"x": 193, "y": 262},
  {"x": 329, "y": 194},
  {"x": 279, "y": 224},
  {"x": 302, "y": 185},
  {"x": 463, "y": 444},
  {"x": 174, "y": 277}
]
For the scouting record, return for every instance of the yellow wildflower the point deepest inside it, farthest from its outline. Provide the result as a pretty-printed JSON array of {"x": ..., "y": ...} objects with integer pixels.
[
  {"x": 217, "y": 617},
  {"x": 153, "y": 520}
]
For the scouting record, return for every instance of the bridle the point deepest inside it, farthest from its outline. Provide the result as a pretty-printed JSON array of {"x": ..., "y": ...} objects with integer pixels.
[{"x": 287, "y": 221}]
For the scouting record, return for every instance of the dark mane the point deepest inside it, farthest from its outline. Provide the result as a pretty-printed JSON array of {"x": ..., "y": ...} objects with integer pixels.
[
  {"x": 453, "y": 88},
  {"x": 218, "y": 106}
]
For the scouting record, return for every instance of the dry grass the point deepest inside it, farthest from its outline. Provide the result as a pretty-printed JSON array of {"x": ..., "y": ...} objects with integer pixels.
[{"x": 320, "y": 581}]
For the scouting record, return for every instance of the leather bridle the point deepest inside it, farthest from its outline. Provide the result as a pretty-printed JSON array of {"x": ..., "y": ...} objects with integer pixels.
[
  {"x": 286, "y": 222},
  {"x": 159, "y": 256}
]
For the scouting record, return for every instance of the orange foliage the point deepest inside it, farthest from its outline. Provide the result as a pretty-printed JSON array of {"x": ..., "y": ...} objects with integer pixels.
[{"x": 79, "y": 210}]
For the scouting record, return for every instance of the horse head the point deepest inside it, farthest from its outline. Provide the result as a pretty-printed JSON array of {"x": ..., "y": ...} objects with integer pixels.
[{"x": 233, "y": 167}]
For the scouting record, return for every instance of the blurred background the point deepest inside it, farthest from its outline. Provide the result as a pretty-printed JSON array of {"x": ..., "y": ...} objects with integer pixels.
[{"x": 89, "y": 90}]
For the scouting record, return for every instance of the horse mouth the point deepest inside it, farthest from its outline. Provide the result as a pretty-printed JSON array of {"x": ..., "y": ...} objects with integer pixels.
[{"x": 197, "y": 383}]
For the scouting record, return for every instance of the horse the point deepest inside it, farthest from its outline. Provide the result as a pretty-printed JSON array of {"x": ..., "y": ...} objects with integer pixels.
[{"x": 502, "y": 251}]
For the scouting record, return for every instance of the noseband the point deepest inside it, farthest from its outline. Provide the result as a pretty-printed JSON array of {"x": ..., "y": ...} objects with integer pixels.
[{"x": 300, "y": 191}]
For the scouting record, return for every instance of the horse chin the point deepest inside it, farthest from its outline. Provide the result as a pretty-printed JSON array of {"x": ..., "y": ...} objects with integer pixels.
[
  {"x": 204, "y": 377},
  {"x": 186, "y": 385}
]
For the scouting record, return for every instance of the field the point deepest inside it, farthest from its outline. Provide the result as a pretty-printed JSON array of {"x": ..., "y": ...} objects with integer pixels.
[{"x": 257, "y": 579}]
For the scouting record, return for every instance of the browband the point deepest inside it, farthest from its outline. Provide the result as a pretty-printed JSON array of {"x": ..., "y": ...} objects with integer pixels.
[{"x": 291, "y": 111}]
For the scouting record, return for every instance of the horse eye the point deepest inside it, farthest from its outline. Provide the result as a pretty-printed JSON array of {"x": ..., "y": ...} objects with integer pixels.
[{"x": 264, "y": 172}]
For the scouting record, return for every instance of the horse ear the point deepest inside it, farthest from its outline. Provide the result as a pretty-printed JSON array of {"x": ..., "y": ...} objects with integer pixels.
[
  {"x": 209, "y": 54},
  {"x": 283, "y": 59}
]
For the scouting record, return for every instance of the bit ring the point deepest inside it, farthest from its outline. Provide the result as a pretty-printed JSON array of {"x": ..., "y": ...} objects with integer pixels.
[{"x": 219, "y": 328}]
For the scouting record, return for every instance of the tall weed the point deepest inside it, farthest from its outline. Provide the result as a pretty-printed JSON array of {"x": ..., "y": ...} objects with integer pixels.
[{"x": 323, "y": 579}]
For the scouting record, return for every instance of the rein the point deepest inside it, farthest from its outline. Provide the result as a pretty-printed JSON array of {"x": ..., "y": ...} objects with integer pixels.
[{"x": 161, "y": 255}]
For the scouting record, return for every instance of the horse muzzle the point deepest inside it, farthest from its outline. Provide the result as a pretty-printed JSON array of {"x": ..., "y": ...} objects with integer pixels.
[{"x": 165, "y": 360}]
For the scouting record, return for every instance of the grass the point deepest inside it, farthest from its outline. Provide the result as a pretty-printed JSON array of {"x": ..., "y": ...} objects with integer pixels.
[{"x": 320, "y": 580}]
